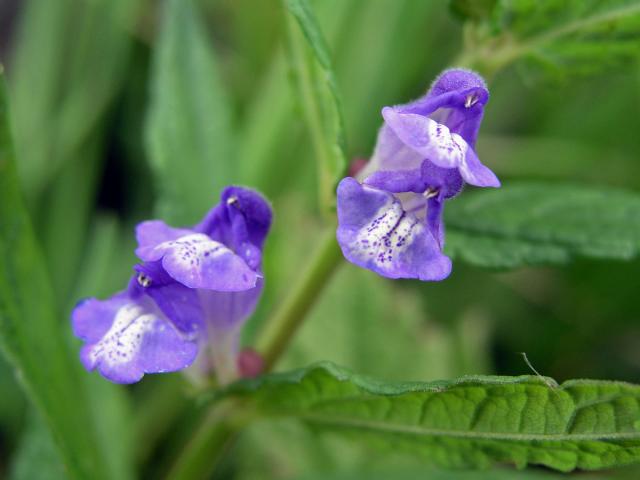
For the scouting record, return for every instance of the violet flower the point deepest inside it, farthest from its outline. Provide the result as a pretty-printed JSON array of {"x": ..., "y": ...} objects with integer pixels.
[
  {"x": 189, "y": 297},
  {"x": 391, "y": 223}
]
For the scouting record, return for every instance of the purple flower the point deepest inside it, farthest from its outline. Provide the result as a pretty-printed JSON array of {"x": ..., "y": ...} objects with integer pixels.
[
  {"x": 189, "y": 297},
  {"x": 391, "y": 223}
]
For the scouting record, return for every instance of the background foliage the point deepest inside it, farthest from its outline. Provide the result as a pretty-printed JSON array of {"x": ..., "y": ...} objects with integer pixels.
[{"x": 122, "y": 110}]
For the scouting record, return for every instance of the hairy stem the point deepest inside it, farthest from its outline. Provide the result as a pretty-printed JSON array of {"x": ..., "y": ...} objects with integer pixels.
[{"x": 283, "y": 324}]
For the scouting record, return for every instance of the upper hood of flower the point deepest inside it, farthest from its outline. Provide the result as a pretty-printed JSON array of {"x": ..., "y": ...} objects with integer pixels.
[
  {"x": 223, "y": 252},
  {"x": 440, "y": 128}
]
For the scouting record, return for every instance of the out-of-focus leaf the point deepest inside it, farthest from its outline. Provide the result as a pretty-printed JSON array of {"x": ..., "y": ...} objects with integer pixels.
[
  {"x": 473, "y": 9},
  {"x": 37, "y": 457},
  {"x": 409, "y": 474},
  {"x": 319, "y": 97},
  {"x": 64, "y": 75},
  {"x": 530, "y": 223},
  {"x": 561, "y": 36},
  {"x": 31, "y": 336},
  {"x": 473, "y": 421},
  {"x": 189, "y": 137}
]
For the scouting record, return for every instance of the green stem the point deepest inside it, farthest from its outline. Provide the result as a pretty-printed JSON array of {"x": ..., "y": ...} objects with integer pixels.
[
  {"x": 220, "y": 426},
  {"x": 283, "y": 324},
  {"x": 208, "y": 446}
]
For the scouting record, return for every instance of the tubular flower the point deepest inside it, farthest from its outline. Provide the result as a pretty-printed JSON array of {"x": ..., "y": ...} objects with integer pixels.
[
  {"x": 189, "y": 296},
  {"x": 391, "y": 220}
]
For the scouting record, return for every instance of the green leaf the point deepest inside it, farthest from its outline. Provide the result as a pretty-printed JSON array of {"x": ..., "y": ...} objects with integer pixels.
[
  {"x": 189, "y": 137},
  {"x": 311, "y": 65},
  {"x": 473, "y": 9},
  {"x": 473, "y": 421},
  {"x": 531, "y": 223},
  {"x": 31, "y": 336},
  {"x": 37, "y": 457},
  {"x": 64, "y": 77},
  {"x": 561, "y": 37}
]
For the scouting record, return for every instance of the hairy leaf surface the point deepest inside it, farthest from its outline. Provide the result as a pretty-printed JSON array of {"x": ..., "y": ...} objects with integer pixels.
[
  {"x": 535, "y": 223},
  {"x": 318, "y": 96},
  {"x": 473, "y": 421}
]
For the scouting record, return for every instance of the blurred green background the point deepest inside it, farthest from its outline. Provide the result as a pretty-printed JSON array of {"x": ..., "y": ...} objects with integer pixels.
[{"x": 83, "y": 78}]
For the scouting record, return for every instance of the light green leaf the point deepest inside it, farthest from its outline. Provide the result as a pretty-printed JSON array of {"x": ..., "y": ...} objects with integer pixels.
[
  {"x": 36, "y": 457},
  {"x": 31, "y": 336},
  {"x": 189, "y": 137},
  {"x": 530, "y": 223},
  {"x": 562, "y": 37},
  {"x": 319, "y": 97},
  {"x": 473, "y": 421},
  {"x": 64, "y": 76}
]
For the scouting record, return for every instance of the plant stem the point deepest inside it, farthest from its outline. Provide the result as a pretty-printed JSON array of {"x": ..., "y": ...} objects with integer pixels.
[
  {"x": 207, "y": 447},
  {"x": 283, "y": 324},
  {"x": 223, "y": 421}
]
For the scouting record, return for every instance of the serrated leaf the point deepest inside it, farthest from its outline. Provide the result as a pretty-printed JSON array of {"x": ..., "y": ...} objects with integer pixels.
[
  {"x": 532, "y": 223},
  {"x": 319, "y": 97},
  {"x": 31, "y": 336},
  {"x": 188, "y": 130},
  {"x": 473, "y": 421},
  {"x": 562, "y": 37}
]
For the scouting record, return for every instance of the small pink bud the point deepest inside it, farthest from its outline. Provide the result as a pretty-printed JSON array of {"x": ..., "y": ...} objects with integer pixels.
[
  {"x": 356, "y": 165},
  {"x": 250, "y": 363}
]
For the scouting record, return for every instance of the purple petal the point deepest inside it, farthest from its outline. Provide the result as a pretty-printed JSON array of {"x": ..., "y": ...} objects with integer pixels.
[
  {"x": 155, "y": 232},
  {"x": 128, "y": 338},
  {"x": 436, "y": 143},
  {"x": 430, "y": 139},
  {"x": 181, "y": 305},
  {"x": 242, "y": 216},
  {"x": 475, "y": 173},
  {"x": 391, "y": 153},
  {"x": 196, "y": 261},
  {"x": 397, "y": 181},
  {"x": 456, "y": 99},
  {"x": 228, "y": 310},
  {"x": 375, "y": 232}
]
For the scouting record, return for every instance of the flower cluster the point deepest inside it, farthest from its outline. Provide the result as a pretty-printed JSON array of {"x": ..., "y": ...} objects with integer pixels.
[
  {"x": 194, "y": 288},
  {"x": 391, "y": 221},
  {"x": 189, "y": 295}
]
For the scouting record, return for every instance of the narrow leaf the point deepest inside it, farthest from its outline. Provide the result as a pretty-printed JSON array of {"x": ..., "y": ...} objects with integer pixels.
[
  {"x": 319, "y": 97},
  {"x": 473, "y": 421},
  {"x": 31, "y": 336},
  {"x": 64, "y": 76},
  {"x": 530, "y": 223},
  {"x": 188, "y": 130}
]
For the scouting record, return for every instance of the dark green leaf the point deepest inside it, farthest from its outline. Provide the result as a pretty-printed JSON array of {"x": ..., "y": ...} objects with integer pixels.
[
  {"x": 31, "y": 336},
  {"x": 473, "y": 421},
  {"x": 189, "y": 136},
  {"x": 543, "y": 224},
  {"x": 473, "y": 9},
  {"x": 318, "y": 96}
]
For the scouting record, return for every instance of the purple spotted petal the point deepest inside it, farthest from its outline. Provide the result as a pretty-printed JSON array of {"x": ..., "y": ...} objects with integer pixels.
[
  {"x": 375, "y": 232},
  {"x": 155, "y": 232},
  {"x": 434, "y": 142},
  {"x": 196, "y": 261},
  {"x": 126, "y": 338}
]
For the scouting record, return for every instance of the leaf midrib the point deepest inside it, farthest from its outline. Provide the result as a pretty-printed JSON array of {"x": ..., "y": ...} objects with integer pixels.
[{"x": 379, "y": 426}]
